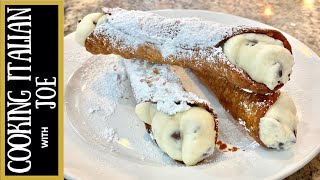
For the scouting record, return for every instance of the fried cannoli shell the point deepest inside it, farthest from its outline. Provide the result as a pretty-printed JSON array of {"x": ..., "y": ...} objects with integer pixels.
[
  {"x": 183, "y": 124},
  {"x": 243, "y": 106},
  {"x": 157, "y": 83},
  {"x": 154, "y": 82},
  {"x": 206, "y": 57}
]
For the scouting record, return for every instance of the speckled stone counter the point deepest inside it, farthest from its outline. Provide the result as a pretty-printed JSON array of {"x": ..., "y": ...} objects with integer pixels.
[{"x": 301, "y": 19}]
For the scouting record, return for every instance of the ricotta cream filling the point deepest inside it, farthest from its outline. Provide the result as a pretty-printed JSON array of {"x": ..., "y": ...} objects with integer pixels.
[
  {"x": 278, "y": 126},
  {"x": 264, "y": 58},
  {"x": 187, "y": 136},
  {"x": 87, "y": 25}
]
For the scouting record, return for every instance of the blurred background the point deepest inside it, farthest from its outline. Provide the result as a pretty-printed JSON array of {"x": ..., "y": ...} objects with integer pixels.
[{"x": 299, "y": 18}]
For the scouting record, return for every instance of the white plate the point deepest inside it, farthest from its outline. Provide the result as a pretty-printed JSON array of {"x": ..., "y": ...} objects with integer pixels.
[{"x": 91, "y": 113}]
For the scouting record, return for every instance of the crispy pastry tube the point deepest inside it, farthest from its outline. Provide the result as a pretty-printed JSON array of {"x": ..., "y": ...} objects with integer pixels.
[
  {"x": 228, "y": 51},
  {"x": 183, "y": 125},
  {"x": 270, "y": 119}
]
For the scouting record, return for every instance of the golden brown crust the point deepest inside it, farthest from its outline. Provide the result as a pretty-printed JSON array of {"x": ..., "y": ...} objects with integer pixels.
[
  {"x": 243, "y": 106},
  {"x": 100, "y": 44}
]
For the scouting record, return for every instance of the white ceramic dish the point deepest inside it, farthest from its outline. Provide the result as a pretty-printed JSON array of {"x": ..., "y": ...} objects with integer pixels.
[{"x": 90, "y": 115}]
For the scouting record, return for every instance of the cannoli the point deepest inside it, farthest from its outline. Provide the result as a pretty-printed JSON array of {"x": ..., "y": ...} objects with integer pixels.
[
  {"x": 183, "y": 125},
  {"x": 252, "y": 58},
  {"x": 270, "y": 119}
]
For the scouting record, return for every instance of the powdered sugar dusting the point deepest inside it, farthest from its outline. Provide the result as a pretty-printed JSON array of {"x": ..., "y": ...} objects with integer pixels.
[
  {"x": 111, "y": 135},
  {"x": 249, "y": 106},
  {"x": 111, "y": 125},
  {"x": 101, "y": 105},
  {"x": 105, "y": 83},
  {"x": 172, "y": 36},
  {"x": 94, "y": 92},
  {"x": 159, "y": 84}
]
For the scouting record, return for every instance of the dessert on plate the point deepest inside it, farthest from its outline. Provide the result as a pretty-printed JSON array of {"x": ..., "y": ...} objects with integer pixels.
[
  {"x": 271, "y": 119},
  {"x": 183, "y": 125},
  {"x": 243, "y": 66},
  {"x": 256, "y": 59}
]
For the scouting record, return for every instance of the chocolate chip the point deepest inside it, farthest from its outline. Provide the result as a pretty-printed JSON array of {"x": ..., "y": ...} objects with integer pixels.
[
  {"x": 95, "y": 23},
  {"x": 196, "y": 129},
  {"x": 109, "y": 14},
  {"x": 281, "y": 145},
  {"x": 295, "y": 133},
  {"x": 251, "y": 43},
  {"x": 79, "y": 20},
  {"x": 178, "y": 102},
  {"x": 280, "y": 73},
  {"x": 280, "y": 69},
  {"x": 208, "y": 152},
  {"x": 176, "y": 135}
]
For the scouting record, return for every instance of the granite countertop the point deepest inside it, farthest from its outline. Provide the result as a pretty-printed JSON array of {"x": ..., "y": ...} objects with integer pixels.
[{"x": 299, "y": 18}]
